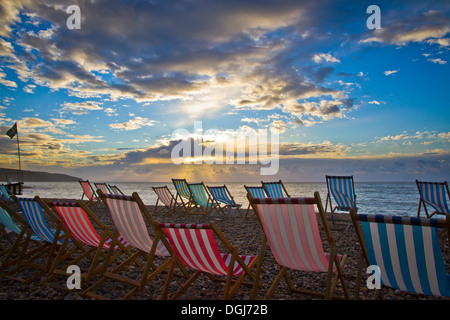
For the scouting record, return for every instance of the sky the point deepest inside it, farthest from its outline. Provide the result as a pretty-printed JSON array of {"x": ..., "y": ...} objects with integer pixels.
[{"x": 321, "y": 89}]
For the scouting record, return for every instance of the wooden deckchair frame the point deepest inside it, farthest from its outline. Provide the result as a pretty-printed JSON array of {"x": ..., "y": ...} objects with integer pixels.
[
  {"x": 92, "y": 254},
  {"x": 24, "y": 238},
  {"x": 331, "y": 281},
  {"x": 147, "y": 276},
  {"x": 44, "y": 247},
  {"x": 232, "y": 250},
  {"x": 422, "y": 202},
  {"x": 186, "y": 202},
  {"x": 167, "y": 208}
]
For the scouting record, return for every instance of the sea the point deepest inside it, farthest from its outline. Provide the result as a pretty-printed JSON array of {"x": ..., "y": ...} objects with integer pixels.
[{"x": 393, "y": 198}]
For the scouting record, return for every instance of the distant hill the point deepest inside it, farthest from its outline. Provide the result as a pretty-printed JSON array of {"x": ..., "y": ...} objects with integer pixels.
[{"x": 34, "y": 176}]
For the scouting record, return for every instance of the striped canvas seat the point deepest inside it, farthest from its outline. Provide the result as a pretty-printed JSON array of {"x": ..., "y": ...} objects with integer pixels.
[
  {"x": 196, "y": 247},
  {"x": 77, "y": 222},
  {"x": 7, "y": 221},
  {"x": 88, "y": 192},
  {"x": 256, "y": 192},
  {"x": 166, "y": 198},
  {"x": 341, "y": 188},
  {"x": 34, "y": 215},
  {"x": 183, "y": 192},
  {"x": 407, "y": 251},
  {"x": 291, "y": 229},
  {"x": 13, "y": 223},
  {"x": 102, "y": 186},
  {"x": 275, "y": 189},
  {"x": 50, "y": 239},
  {"x": 6, "y": 196},
  {"x": 221, "y": 194},
  {"x": 434, "y": 194},
  {"x": 201, "y": 200},
  {"x": 128, "y": 214},
  {"x": 82, "y": 227},
  {"x": 115, "y": 189}
]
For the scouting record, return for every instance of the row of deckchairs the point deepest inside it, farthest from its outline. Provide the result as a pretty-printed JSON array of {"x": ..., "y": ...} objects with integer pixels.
[
  {"x": 194, "y": 198},
  {"x": 405, "y": 249},
  {"x": 80, "y": 235},
  {"x": 89, "y": 192}
]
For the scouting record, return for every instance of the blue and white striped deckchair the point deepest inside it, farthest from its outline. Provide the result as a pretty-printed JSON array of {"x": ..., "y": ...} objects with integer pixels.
[
  {"x": 341, "y": 188},
  {"x": 406, "y": 250},
  {"x": 201, "y": 199},
  {"x": 51, "y": 239},
  {"x": 183, "y": 192},
  {"x": 256, "y": 192},
  {"x": 24, "y": 235},
  {"x": 221, "y": 194},
  {"x": 275, "y": 189},
  {"x": 434, "y": 194}
]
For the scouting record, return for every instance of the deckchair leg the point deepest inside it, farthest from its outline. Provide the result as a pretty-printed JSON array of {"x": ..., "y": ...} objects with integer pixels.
[{"x": 186, "y": 285}]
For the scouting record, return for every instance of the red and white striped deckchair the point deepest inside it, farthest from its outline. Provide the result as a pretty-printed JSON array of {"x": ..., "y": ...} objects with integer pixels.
[
  {"x": 88, "y": 192},
  {"x": 195, "y": 246},
  {"x": 167, "y": 199},
  {"x": 78, "y": 225},
  {"x": 291, "y": 229},
  {"x": 128, "y": 213}
]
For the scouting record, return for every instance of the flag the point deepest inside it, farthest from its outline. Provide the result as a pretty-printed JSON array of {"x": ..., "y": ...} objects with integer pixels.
[{"x": 12, "y": 131}]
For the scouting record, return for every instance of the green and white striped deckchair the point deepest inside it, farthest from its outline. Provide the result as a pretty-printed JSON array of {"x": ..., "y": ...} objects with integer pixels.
[
  {"x": 406, "y": 250},
  {"x": 434, "y": 194},
  {"x": 201, "y": 200}
]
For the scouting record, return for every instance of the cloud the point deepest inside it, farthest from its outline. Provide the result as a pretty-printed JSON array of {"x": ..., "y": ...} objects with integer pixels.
[
  {"x": 389, "y": 72},
  {"x": 325, "y": 57},
  {"x": 133, "y": 124},
  {"x": 438, "y": 61},
  {"x": 80, "y": 108}
]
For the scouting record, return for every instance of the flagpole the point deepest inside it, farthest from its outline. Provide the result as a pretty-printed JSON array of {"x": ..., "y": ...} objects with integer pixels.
[{"x": 18, "y": 151}]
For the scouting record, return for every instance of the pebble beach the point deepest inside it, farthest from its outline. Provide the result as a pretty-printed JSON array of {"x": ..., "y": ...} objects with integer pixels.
[{"x": 246, "y": 234}]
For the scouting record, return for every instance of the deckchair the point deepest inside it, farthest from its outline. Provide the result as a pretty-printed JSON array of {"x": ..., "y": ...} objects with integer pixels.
[
  {"x": 102, "y": 186},
  {"x": 91, "y": 237},
  {"x": 434, "y": 194},
  {"x": 12, "y": 222},
  {"x": 115, "y": 189},
  {"x": 128, "y": 214},
  {"x": 406, "y": 250},
  {"x": 256, "y": 192},
  {"x": 196, "y": 247},
  {"x": 292, "y": 231},
  {"x": 342, "y": 190},
  {"x": 221, "y": 194},
  {"x": 275, "y": 189},
  {"x": 50, "y": 239},
  {"x": 166, "y": 198},
  {"x": 201, "y": 201},
  {"x": 6, "y": 196},
  {"x": 183, "y": 192},
  {"x": 88, "y": 192}
]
